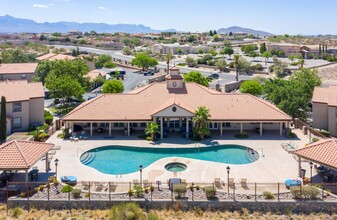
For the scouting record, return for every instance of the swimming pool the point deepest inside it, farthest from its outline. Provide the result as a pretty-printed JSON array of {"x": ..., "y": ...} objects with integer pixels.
[{"x": 124, "y": 160}]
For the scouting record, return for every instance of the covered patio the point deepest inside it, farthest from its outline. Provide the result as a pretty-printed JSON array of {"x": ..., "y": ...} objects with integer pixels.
[
  {"x": 22, "y": 156},
  {"x": 323, "y": 153}
]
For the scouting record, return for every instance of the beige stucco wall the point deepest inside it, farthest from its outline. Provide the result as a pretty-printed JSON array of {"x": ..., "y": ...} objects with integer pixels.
[
  {"x": 24, "y": 114},
  {"x": 36, "y": 111},
  {"x": 320, "y": 116},
  {"x": 8, "y": 127},
  {"x": 29, "y": 77},
  {"x": 332, "y": 120}
]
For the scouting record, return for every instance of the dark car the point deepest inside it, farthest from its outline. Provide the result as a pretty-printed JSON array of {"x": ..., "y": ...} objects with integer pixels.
[
  {"x": 213, "y": 76},
  {"x": 150, "y": 72}
]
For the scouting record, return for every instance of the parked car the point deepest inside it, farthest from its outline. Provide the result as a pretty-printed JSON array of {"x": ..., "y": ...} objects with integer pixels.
[
  {"x": 149, "y": 72},
  {"x": 213, "y": 76}
]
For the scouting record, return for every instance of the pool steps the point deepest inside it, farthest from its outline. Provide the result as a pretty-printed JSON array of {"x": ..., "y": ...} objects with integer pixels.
[{"x": 87, "y": 157}]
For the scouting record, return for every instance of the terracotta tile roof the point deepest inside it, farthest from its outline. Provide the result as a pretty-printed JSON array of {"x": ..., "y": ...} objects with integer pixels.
[
  {"x": 20, "y": 90},
  {"x": 94, "y": 73},
  {"x": 174, "y": 102},
  {"x": 18, "y": 68},
  {"x": 52, "y": 56},
  {"x": 22, "y": 154},
  {"x": 327, "y": 95},
  {"x": 142, "y": 104},
  {"x": 323, "y": 152}
]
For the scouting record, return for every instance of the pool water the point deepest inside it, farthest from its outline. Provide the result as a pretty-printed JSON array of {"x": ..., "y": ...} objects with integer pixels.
[
  {"x": 175, "y": 167},
  {"x": 124, "y": 160}
]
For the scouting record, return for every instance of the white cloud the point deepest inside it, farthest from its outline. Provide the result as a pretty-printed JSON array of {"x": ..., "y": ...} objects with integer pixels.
[
  {"x": 40, "y": 6},
  {"x": 51, "y": 4},
  {"x": 101, "y": 7}
]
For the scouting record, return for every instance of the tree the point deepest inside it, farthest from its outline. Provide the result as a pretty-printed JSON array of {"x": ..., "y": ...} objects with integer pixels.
[
  {"x": 253, "y": 54},
  {"x": 101, "y": 60},
  {"x": 126, "y": 51},
  {"x": 56, "y": 34},
  {"x": 285, "y": 93},
  {"x": 228, "y": 51},
  {"x": 144, "y": 61},
  {"x": 301, "y": 63},
  {"x": 230, "y": 33},
  {"x": 168, "y": 58},
  {"x": 210, "y": 33},
  {"x": 17, "y": 56},
  {"x": 191, "y": 38},
  {"x": 64, "y": 87},
  {"x": 214, "y": 32},
  {"x": 263, "y": 48},
  {"x": 236, "y": 65},
  {"x": 3, "y": 121},
  {"x": 250, "y": 36},
  {"x": 151, "y": 129},
  {"x": 179, "y": 51},
  {"x": 113, "y": 86},
  {"x": 252, "y": 87},
  {"x": 221, "y": 64},
  {"x": 110, "y": 64},
  {"x": 266, "y": 55},
  {"x": 174, "y": 40},
  {"x": 190, "y": 62},
  {"x": 201, "y": 120},
  {"x": 215, "y": 37},
  {"x": 43, "y": 37},
  {"x": 43, "y": 70},
  {"x": 200, "y": 51},
  {"x": 197, "y": 77}
]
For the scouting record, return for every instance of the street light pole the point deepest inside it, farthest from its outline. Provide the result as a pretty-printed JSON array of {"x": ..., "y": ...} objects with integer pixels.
[
  {"x": 228, "y": 169},
  {"x": 311, "y": 164},
  {"x": 140, "y": 173},
  {"x": 56, "y": 163}
]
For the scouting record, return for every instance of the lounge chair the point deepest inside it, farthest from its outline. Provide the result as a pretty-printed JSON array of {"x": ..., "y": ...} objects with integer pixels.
[
  {"x": 183, "y": 181},
  {"x": 74, "y": 137},
  {"x": 218, "y": 182},
  {"x": 113, "y": 186},
  {"x": 231, "y": 182},
  {"x": 146, "y": 183},
  {"x": 135, "y": 182},
  {"x": 243, "y": 182},
  {"x": 85, "y": 185},
  {"x": 99, "y": 186}
]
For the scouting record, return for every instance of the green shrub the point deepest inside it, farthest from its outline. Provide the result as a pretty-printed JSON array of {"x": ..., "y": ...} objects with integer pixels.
[
  {"x": 243, "y": 135},
  {"x": 258, "y": 67},
  {"x": 66, "y": 133},
  {"x": 87, "y": 195},
  {"x": 48, "y": 118},
  {"x": 210, "y": 192},
  {"x": 152, "y": 216},
  {"x": 315, "y": 139},
  {"x": 66, "y": 188},
  {"x": 76, "y": 193},
  {"x": 138, "y": 190},
  {"x": 41, "y": 187},
  {"x": 126, "y": 211},
  {"x": 130, "y": 193},
  {"x": 17, "y": 212},
  {"x": 148, "y": 138},
  {"x": 323, "y": 132},
  {"x": 308, "y": 192},
  {"x": 180, "y": 189},
  {"x": 43, "y": 136},
  {"x": 22, "y": 195},
  {"x": 36, "y": 189},
  {"x": 268, "y": 195}
]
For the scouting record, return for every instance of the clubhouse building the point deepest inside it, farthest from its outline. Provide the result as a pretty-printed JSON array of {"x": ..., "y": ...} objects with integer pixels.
[{"x": 172, "y": 104}]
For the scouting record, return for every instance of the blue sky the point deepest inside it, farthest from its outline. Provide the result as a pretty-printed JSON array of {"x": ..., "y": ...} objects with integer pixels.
[{"x": 275, "y": 16}]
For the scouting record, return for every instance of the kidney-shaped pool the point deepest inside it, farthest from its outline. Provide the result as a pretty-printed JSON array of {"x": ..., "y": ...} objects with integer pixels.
[{"x": 124, "y": 160}]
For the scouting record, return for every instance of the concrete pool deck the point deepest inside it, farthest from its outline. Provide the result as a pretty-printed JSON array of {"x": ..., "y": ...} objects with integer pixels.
[{"x": 274, "y": 165}]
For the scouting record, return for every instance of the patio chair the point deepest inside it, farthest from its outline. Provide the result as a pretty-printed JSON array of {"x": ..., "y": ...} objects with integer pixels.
[
  {"x": 183, "y": 181},
  {"x": 243, "y": 182},
  {"x": 135, "y": 182},
  {"x": 218, "y": 182},
  {"x": 113, "y": 187},
  {"x": 146, "y": 183},
  {"x": 231, "y": 182},
  {"x": 99, "y": 186},
  {"x": 85, "y": 185}
]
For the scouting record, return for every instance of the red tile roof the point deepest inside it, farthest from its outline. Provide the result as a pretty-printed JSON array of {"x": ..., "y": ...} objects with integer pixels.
[
  {"x": 20, "y": 90},
  {"x": 323, "y": 152},
  {"x": 15, "y": 155},
  {"x": 96, "y": 72},
  {"x": 327, "y": 95},
  {"x": 18, "y": 68},
  {"x": 52, "y": 56},
  {"x": 141, "y": 105}
]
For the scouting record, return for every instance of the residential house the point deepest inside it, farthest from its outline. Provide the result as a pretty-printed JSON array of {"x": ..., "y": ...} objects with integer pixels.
[
  {"x": 324, "y": 109},
  {"x": 18, "y": 71},
  {"x": 24, "y": 104},
  {"x": 52, "y": 56}
]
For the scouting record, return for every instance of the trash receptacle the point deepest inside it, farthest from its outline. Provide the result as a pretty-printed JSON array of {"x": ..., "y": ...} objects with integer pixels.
[{"x": 302, "y": 173}]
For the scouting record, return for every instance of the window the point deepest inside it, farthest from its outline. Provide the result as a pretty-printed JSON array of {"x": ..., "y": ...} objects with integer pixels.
[
  {"x": 17, "y": 122},
  {"x": 23, "y": 76},
  {"x": 17, "y": 107},
  {"x": 227, "y": 124}
]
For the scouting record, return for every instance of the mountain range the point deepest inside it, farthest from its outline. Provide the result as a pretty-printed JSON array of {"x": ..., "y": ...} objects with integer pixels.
[
  {"x": 9, "y": 24},
  {"x": 235, "y": 29}
]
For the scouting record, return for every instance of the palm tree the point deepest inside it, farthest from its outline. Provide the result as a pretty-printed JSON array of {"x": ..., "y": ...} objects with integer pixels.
[
  {"x": 151, "y": 129},
  {"x": 236, "y": 64},
  {"x": 168, "y": 57},
  {"x": 201, "y": 120},
  {"x": 301, "y": 63}
]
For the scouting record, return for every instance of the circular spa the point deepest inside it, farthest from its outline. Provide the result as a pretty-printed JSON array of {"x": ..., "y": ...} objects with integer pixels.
[
  {"x": 125, "y": 160},
  {"x": 175, "y": 167}
]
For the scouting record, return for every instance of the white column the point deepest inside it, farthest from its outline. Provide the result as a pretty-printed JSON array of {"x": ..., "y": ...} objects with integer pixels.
[
  {"x": 261, "y": 127},
  {"x": 47, "y": 162},
  {"x": 187, "y": 128},
  {"x": 180, "y": 122},
  {"x": 109, "y": 128},
  {"x": 241, "y": 128},
  {"x": 90, "y": 128},
  {"x": 72, "y": 127},
  {"x": 281, "y": 128},
  {"x": 26, "y": 175},
  {"x": 220, "y": 128},
  {"x": 299, "y": 166},
  {"x": 154, "y": 119},
  {"x": 128, "y": 128},
  {"x": 161, "y": 128}
]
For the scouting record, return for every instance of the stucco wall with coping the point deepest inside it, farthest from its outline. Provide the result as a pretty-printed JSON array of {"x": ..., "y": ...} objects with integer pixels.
[{"x": 320, "y": 115}]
